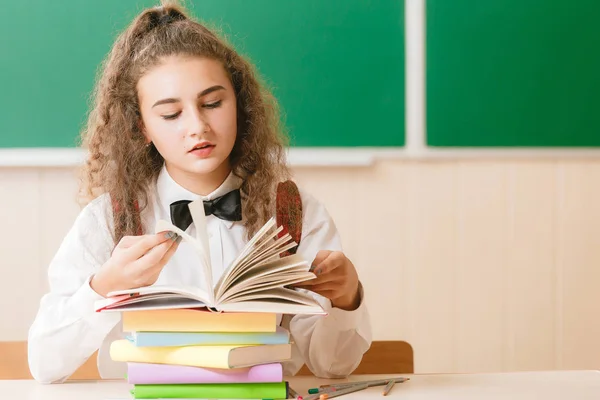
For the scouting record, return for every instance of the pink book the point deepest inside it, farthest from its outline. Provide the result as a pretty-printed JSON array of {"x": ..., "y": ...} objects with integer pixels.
[{"x": 143, "y": 373}]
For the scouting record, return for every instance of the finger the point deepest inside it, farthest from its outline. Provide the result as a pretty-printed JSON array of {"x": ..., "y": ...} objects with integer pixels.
[
  {"x": 148, "y": 242},
  {"x": 333, "y": 261},
  {"x": 330, "y": 294},
  {"x": 319, "y": 258},
  {"x": 150, "y": 274},
  {"x": 325, "y": 293},
  {"x": 128, "y": 241},
  {"x": 167, "y": 256},
  {"x": 323, "y": 287},
  {"x": 330, "y": 277},
  {"x": 314, "y": 284},
  {"x": 153, "y": 256}
]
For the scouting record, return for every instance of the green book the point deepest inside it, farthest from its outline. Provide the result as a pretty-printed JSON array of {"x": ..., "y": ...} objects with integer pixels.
[{"x": 277, "y": 390}]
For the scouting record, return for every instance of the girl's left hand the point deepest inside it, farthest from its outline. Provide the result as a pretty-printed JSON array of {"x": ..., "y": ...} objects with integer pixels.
[{"x": 336, "y": 279}]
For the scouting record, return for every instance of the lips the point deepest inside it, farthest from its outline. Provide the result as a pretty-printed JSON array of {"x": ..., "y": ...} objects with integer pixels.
[
  {"x": 202, "y": 149},
  {"x": 202, "y": 145}
]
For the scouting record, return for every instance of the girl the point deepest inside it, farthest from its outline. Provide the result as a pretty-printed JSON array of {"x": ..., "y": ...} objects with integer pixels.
[{"x": 179, "y": 115}]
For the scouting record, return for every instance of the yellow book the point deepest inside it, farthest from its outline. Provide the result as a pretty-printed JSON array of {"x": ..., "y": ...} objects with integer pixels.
[
  {"x": 197, "y": 320},
  {"x": 222, "y": 357}
]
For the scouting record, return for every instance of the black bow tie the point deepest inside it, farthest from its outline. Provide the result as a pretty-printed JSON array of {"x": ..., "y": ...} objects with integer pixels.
[{"x": 227, "y": 207}]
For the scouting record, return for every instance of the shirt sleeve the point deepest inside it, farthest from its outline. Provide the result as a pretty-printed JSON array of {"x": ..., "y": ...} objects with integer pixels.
[
  {"x": 67, "y": 330},
  {"x": 331, "y": 346}
]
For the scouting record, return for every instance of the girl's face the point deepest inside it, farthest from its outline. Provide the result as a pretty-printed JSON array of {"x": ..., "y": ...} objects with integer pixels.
[{"x": 188, "y": 109}]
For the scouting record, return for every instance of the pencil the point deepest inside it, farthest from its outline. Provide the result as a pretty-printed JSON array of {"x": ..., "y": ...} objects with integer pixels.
[
  {"x": 342, "y": 392},
  {"x": 378, "y": 382},
  {"x": 292, "y": 392},
  {"x": 339, "y": 392},
  {"x": 388, "y": 387}
]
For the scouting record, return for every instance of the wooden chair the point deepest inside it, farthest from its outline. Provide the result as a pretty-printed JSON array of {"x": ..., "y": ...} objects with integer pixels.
[
  {"x": 13, "y": 363},
  {"x": 384, "y": 357}
]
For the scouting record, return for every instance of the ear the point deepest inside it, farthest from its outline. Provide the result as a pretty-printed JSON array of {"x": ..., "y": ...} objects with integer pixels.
[{"x": 142, "y": 129}]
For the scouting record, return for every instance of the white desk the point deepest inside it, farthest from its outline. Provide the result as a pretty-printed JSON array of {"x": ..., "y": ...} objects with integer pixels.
[{"x": 556, "y": 385}]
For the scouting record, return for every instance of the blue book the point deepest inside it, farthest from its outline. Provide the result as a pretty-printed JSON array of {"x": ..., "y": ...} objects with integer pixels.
[{"x": 163, "y": 339}]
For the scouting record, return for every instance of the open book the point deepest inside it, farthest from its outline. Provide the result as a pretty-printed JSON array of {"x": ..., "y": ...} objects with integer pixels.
[{"x": 256, "y": 281}]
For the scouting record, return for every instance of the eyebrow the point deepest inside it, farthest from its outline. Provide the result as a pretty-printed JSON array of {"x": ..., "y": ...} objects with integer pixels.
[{"x": 176, "y": 100}]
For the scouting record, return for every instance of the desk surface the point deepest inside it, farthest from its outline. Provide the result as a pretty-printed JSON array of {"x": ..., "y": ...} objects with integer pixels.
[{"x": 572, "y": 385}]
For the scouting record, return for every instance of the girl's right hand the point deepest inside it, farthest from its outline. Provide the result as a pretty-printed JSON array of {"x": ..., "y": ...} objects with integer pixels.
[{"x": 135, "y": 262}]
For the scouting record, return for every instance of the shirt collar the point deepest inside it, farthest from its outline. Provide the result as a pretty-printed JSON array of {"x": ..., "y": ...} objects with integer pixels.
[{"x": 169, "y": 191}]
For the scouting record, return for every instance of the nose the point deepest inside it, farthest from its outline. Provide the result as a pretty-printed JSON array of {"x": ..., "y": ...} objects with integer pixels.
[{"x": 196, "y": 124}]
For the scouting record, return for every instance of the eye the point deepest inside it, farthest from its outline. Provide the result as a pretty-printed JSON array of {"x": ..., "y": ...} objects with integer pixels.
[
  {"x": 172, "y": 116},
  {"x": 214, "y": 104}
]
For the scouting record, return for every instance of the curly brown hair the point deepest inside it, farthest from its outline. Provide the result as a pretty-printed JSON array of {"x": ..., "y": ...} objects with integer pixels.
[{"x": 119, "y": 162}]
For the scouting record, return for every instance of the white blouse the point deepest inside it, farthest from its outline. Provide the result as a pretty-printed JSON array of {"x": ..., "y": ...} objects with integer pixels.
[{"x": 67, "y": 330}]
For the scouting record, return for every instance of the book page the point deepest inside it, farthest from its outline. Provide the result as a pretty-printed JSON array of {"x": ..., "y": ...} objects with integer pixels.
[
  {"x": 267, "y": 250},
  {"x": 274, "y": 295},
  {"x": 162, "y": 225},
  {"x": 276, "y": 269},
  {"x": 158, "y": 303},
  {"x": 280, "y": 277},
  {"x": 200, "y": 244},
  {"x": 199, "y": 218},
  {"x": 265, "y": 285},
  {"x": 249, "y": 248},
  {"x": 194, "y": 293},
  {"x": 269, "y": 253},
  {"x": 280, "y": 294},
  {"x": 270, "y": 306},
  {"x": 266, "y": 237},
  {"x": 280, "y": 300}
]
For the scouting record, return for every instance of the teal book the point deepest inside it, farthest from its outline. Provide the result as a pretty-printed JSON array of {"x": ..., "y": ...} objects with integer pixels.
[
  {"x": 169, "y": 339},
  {"x": 278, "y": 390}
]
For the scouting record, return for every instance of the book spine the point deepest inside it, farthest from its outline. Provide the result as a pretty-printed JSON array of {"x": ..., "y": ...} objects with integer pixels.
[
  {"x": 194, "y": 356},
  {"x": 197, "y": 321},
  {"x": 141, "y": 373},
  {"x": 145, "y": 339},
  {"x": 212, "y": 391}
]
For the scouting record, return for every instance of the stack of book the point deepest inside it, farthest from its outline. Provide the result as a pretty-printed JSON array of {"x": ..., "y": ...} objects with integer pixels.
[
  {"x": 190, "y": 353},
  {"x": 220, "y": 340}
]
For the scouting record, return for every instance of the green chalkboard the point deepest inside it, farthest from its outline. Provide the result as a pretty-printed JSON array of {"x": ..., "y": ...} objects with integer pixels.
[
  {"x": 336, "y": 66},
  {"x": 513, "y": 73}
]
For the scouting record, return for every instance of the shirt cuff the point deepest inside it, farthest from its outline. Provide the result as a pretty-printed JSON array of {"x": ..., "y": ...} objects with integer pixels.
[
  {"x": 83, "y": 301},
  {"x": 347, "y": 320}
]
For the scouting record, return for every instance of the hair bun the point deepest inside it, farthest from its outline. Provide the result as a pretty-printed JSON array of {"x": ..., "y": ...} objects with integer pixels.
[{"x": 165, "y": 15}]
